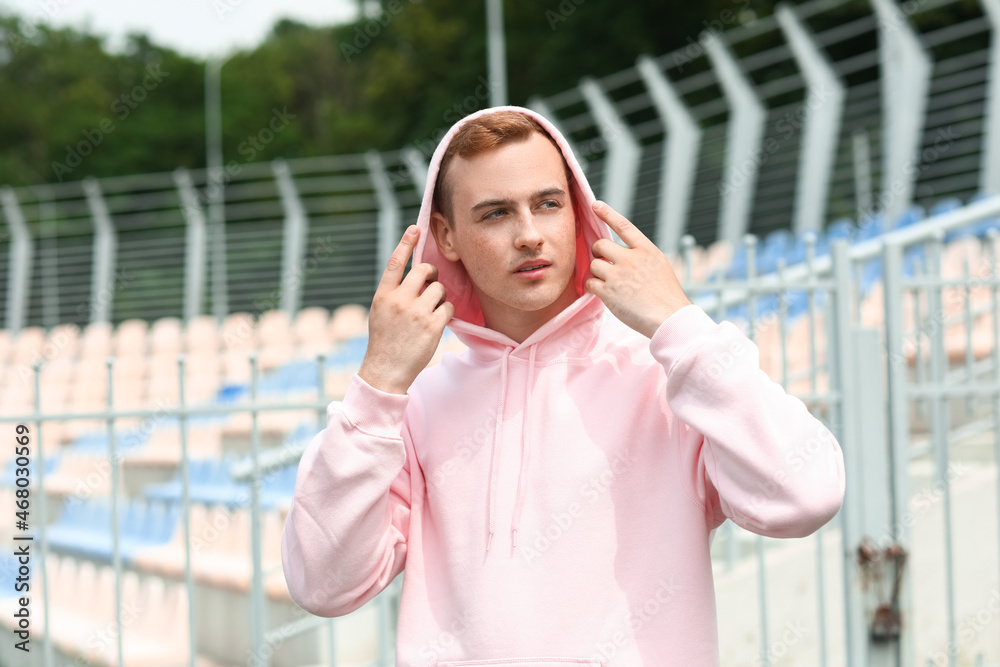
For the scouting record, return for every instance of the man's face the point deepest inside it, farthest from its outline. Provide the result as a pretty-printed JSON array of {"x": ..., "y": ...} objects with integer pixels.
[{"x": 511, "y": 205}]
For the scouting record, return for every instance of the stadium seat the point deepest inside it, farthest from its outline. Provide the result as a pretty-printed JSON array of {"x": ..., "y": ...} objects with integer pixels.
[
  {"x": 980, "y": 228},
  {"x": 843, "y": 228},
  {"x": 201, "y": 336},
  {"x": 348, "y": 321}
]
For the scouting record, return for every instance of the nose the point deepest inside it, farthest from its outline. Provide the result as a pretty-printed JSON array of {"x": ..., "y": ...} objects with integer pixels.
[{"x": 528, "y": 234}]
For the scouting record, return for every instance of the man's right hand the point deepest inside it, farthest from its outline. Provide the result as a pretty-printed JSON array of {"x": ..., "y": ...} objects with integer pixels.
[{"x": 404, "y": 324}]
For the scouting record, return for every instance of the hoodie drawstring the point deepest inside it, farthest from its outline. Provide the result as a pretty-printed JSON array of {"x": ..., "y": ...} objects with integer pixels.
[
  {"x": 525, "y": 446},
  {"x": 496, "y": 439}
]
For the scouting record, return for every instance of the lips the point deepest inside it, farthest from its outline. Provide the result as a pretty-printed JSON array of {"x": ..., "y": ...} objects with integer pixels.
[{"x": 532, "y": 264}]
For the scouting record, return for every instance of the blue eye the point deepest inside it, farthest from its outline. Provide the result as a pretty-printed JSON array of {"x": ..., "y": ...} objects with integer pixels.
[{"x": 490, "y": 214}]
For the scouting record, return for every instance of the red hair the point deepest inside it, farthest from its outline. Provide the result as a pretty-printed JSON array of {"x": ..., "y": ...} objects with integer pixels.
[{"x": 483, "y": 134}]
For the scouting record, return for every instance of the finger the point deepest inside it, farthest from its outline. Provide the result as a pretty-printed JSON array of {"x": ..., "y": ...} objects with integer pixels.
[
  {"x": 599, "y": 268},
  {"x": 595, "y": 286},
  {"x": 446, "y": 311},
  {"x": 628, "y": 232},
  {"x": 433, "y": 295},
  {"x": 608, "y": 249},
  {"x": 393, "y": 273},
  {"x": 418, "y": 278}
]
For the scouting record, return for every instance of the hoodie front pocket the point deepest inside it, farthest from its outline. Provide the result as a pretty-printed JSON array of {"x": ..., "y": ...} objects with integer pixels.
[{"x": 523, "y": 662}]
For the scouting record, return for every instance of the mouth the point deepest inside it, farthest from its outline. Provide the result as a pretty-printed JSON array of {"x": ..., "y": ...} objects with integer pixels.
[
  {"x": 532, "y": 267},
  {"x": 534, "y": 271}
]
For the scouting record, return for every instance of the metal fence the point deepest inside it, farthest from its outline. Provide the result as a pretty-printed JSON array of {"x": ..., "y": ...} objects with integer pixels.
[
  {"x": 855, "y": 359},
  {"x": 827, "y": 109}
]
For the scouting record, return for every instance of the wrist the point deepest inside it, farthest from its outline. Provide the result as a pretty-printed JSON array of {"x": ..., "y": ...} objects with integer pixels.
[
  {"x": 383, "y": 381},
  {"x": 656, "y": 322}
]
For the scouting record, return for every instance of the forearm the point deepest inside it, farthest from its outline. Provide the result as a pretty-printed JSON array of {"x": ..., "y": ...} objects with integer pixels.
[
  {"x": 345, "y": 535},
  {"x": 766, "y": 462}
]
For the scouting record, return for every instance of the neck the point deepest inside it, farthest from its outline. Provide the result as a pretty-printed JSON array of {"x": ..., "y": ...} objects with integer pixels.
[{"x": 518, "y": 324}]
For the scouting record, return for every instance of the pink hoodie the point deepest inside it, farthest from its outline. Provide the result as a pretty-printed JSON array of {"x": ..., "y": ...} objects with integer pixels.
[{"x": 553, "y": 501}]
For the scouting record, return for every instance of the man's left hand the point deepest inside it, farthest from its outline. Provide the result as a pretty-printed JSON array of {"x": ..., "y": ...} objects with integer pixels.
[{"x": 636, "y": 283}]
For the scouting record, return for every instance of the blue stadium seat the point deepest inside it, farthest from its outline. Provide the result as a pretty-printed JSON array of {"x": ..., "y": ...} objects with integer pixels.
[
  {"x": 795, "y": 251},
  {"x": 911, "y": 216},
  {"x": 349, "y": 354},
  {"x": 840, "y": 229},
  {"x": 98, "y": 442},
  {"x": 211, "y": 483},
  {"x": 231, "y": 393},
  {"x": 980, "y": 228},
  {"x": 775, "y": 247},
  {"x": 294, "y": 376},
  {"x": 870, "y": 228},
  {"x": 10, "y": 470},
  {"x": 84, "y": 528}
]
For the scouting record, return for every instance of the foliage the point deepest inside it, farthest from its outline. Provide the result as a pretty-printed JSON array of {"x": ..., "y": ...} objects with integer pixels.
[{"x": 401, "y": 73}]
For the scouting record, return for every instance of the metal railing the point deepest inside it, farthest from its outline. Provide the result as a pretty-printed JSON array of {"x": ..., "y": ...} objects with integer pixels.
[{"x": 827, "y": 109}]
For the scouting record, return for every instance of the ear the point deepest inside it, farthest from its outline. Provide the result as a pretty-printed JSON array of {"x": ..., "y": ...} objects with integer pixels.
[{"x": 444, "y": 236}]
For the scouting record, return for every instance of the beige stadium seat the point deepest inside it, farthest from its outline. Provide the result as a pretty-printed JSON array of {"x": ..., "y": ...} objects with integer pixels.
[
  {"x": 273, "y": 425},
  {"x": 274, "y": 326},
  {"x": 239, "y": 332},
  {"x": 236, "y": 366},
  {"x": 5, "y": 345},
  {"x": 83, "y": 475},
  {"x": 983, "y": 337},
  {"x": 275, "y": 353},
  {"x": 130, "y": 338},
  {"x": 201, "y": 373},
  {"x": 90, "y": 378},
  {"x": 312, "y": 325},
  {"x": 956, "y": 253},
  {"x": 348, "y": 321},
  {"x": 61, "y": 343},
  {"x": 983, "y": 340},
  {"x": 164, "y": 445},
  {"x": 96, "y": 343},
  {"x": 226, "y": 563},
  {"x": 168, "y": 559},
  {"x": 798, "y": 343},
  {"x": 130, "y": 366},
  {"x": 873, "y": 307},
  {"x": 699, "y": 264},
  {"x": 720, "y": 255},
  {"x": 70, "y": 621},
  {"x": 28, "y": 346},
  {"x": 201, "y": 335},
  {"x": 165, "y": 336},
  {"x": 16, "y": 397}
]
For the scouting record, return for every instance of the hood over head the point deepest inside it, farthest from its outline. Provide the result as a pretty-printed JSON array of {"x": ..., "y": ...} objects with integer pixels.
[
  {"x": 453, "y": 275},
  {"x": 468, "y": 323}
]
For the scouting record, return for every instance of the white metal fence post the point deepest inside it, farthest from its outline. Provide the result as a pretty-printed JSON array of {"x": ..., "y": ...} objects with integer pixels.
[
  {"x": 105, "y": 246},
  {"x": 824, "y": 106},
  {"x": 744, "y": 137},
  {"x": 194, "y": 256},
  {"x": 19, "y": 262},
  {"x": 295, "y": 236},
  {"x": 680, "y": 155}
]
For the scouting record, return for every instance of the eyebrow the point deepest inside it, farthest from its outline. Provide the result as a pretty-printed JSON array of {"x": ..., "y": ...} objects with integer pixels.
[{"x": 548, "y": 192}]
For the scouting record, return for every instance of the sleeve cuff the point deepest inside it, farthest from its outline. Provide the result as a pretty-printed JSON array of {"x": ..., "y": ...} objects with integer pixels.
[
  {"x": 372, "y": 410},
  {"x": 678, "y": 332}
]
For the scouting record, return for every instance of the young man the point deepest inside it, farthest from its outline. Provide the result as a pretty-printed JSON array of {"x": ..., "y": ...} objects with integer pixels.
[{"x": 553, "y": 490}]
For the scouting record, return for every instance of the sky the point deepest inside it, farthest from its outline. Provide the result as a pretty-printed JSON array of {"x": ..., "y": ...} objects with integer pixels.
[{"x": 199, "y": 28}]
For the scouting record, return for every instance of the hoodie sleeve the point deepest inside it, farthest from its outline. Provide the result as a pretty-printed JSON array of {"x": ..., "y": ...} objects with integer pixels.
[
  {"x": 345, "y": 536},
  {"x": 747, "y": 450}
]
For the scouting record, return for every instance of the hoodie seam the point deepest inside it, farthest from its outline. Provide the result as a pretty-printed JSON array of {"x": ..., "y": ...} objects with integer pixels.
[
  {"x": 678, "y": 443},
  {"x": 359, "y": 427}
]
